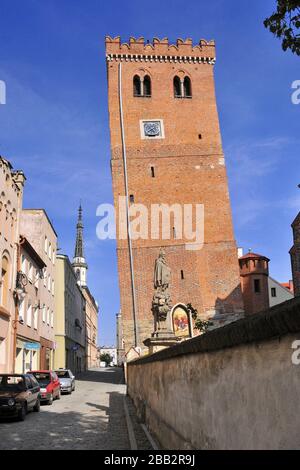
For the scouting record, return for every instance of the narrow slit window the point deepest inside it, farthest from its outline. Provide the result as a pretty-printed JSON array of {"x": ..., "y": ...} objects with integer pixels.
[
  {"x": 131, "y": 198},
  {"x": 257, "y": 286},
  {"x": 152, "y": 172},
  {"x": 147, "y": 86},
  {"x": 182, "y": 274},
  {"x": 137, "y": 89},
  {"x": 187, "y": 87},
  {"x": 177, "y": 87}
]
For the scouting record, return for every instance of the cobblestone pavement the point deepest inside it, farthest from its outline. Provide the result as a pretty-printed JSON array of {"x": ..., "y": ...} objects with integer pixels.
[{"x": 91, "y": 418}]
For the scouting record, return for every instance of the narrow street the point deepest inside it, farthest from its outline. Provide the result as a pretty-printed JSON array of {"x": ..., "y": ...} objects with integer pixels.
[{"x": 93, "y": 417}]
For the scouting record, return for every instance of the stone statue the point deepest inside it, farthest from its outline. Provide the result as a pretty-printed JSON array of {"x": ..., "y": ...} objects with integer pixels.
[
  {"x": 162, "y": 272},
  {"x": 161, "y": 304}
]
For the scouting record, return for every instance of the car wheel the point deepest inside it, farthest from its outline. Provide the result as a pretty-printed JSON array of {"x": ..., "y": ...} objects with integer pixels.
[
  {"x": 22, "y": 412},
  {"x": 37, "y": 406},
  {"x": 50, "y": 401}
]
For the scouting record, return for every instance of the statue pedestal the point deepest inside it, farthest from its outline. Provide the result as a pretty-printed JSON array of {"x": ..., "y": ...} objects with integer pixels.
[{"x": 161, "y": 340}]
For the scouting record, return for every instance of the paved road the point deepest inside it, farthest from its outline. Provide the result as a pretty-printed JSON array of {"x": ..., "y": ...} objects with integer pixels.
[{"x": 91, "y": 418}]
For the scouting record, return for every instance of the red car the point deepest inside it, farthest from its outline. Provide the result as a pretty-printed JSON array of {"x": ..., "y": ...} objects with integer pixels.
[{"x": 49, "y": 385}]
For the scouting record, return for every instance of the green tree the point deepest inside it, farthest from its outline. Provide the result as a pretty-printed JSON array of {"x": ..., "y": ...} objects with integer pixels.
[
  {"x": 105, "y": 357},
  {"x": 201, "y": 325},
  {"x": 285, "y": 24}
]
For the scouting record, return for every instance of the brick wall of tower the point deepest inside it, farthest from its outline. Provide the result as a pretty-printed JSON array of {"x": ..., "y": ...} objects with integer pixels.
[
  {"x": 295, "y": 255},
  {"x": 188, "y": 170}
]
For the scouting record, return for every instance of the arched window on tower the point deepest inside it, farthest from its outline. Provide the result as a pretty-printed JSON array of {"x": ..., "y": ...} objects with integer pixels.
[
  {"x": 187, "y": 87},
  {"x": 137, "y": 89},
  {"x": 177, "y": 87},
  {"x": 147, "y": 86}
]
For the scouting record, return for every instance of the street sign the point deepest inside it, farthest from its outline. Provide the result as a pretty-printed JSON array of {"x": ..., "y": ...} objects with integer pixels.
[{"x": 32, "y": 346}]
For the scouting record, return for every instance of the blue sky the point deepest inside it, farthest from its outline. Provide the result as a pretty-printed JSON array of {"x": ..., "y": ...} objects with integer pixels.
[{"x": 55, "y": 123}]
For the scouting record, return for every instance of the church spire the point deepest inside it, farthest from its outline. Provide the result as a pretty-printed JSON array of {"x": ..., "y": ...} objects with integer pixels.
[
  {"x": 79, "y": 264},
  {"x": 79, "y": 237}
]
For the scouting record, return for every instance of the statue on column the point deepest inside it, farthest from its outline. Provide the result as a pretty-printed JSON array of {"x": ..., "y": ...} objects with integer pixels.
[{"x": 161, "y": 304}]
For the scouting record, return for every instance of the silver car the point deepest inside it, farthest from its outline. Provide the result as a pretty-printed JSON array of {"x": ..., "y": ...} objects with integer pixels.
[{"x": 67, "y": 380}]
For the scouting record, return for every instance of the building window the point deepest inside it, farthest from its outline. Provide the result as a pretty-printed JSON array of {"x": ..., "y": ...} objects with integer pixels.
[
  {"x": 147, "y": 86},
  {"x": 49, "y": 283},
  {"x": 152, "y": 172},
  {"x": 35, "y": 318},
  {"x": 257, "y": 286},
  {"x": 45, "y": 278},
  {"x": 50, "y": 251},
  {"x": 131, "y": 198},
  {"x": 23, "y": 264},
  {"x": 30, "y": 272},
  {"x": 273, "y": 292},
  {"x": 44, "y": 313},
  {"x": 4, "y": 281},
  {"x": 142, "y": 86},
  {"x": 46, "y": 245},
  {"x": 137, "y": 88},
  {"x": 48, "y": 316},
  {"x": 52, "y": 319},
  {"x": 187, "y": 87},
  {"x": 29, "y": 315},
  {"x": 182, "y": 274},
  {"x": 177, "y": 87},
  {"x": 52, "y": 290}
]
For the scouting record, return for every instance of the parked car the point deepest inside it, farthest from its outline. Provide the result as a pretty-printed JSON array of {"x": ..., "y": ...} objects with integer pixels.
[
  {"x": 66, "y": 379},
  {"x": 49, "y": 384},
  {"x": 19, "y": 394}
]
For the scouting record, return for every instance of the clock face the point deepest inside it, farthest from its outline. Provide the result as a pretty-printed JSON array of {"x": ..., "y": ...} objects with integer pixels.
[{"x": 152, "y": 129}]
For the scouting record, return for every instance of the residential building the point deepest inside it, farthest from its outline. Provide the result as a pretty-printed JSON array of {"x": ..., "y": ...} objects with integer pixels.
[
  {"x": 39, "y": 231},
  {"x": 11, "y": 196},
  {"x": 80, "y": 267},
  {"x": 279, "y": 292},
  {"x": 27, "y": 341},
  {"x": 166, "y": 149},
  {"x": 70, "y": 318}
]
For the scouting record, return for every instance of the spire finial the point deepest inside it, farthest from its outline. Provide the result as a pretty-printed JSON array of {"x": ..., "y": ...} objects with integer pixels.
[{"x": 79, "y": 236}]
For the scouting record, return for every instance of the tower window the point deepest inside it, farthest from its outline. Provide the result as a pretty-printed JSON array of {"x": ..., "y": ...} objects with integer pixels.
[
  {"x": 273, "y": 292},
  {"x": 131, "y": 198},
  {"x": 152, "y": 172},
  {"x": 142, "y": 87},
  {"x": 147, "y": 86},
  {"x": 200, "y": 136},
  {"x": 137, "y": 89},
  {"x": 187, "y": 88},
  {"x": 182, "y": 274},
  {"x": 257, "y": 286},
  {"x": 177, "y": 87}
]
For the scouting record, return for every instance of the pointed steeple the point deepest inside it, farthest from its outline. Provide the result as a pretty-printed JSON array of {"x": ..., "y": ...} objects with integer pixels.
[
  {"x": 79, "y": 264},
  {"x": 79, "y": 237}
]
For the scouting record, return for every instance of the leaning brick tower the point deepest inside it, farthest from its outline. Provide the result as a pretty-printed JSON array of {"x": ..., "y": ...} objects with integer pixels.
[{"x": 166, "y": 149}]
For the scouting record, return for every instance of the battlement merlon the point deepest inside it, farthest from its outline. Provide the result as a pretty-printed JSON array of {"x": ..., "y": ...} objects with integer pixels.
[{"x": 160, "y": 50}]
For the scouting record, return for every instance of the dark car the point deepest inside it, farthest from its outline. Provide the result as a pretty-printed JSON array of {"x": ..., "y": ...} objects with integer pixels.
[{"x": 19, "y": 394}]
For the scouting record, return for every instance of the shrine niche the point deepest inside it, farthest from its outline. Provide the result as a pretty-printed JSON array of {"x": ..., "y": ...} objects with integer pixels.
[{"x": 181, "y": 322}]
